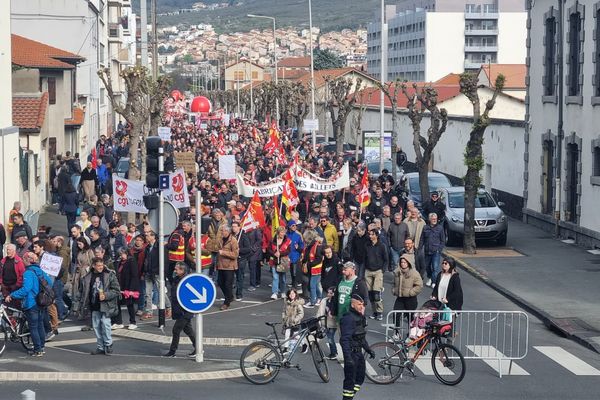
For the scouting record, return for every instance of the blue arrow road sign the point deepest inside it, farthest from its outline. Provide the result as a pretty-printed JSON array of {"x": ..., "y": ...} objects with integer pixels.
[{"x": 196, "y": 293}]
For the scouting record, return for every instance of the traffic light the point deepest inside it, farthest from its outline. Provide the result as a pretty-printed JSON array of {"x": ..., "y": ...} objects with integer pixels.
[{"x": 154, "y": 151}]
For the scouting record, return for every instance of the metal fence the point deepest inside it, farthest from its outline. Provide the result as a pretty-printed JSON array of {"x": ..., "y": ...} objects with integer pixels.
[{"x": 501, "y": 336}]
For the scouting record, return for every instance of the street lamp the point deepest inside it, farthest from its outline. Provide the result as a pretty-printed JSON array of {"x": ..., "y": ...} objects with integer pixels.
[
  {"x": 274, "y": 56},
  {"x": 312, "y": 73}
]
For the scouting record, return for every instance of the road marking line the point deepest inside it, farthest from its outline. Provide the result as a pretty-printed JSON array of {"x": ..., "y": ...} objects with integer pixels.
[
  {"x": 69, "y": 329},
  {"x": 163, "y": 339},
  {"x": 117, "y": 376},
  {"x": 568, "y": 360},
  {"x": 250, "y": 302},
  {"x": 494, "y": 359},
  {"x": 424, "y": 365}
]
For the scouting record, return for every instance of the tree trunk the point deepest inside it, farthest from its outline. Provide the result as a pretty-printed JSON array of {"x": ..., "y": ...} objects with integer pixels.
[
  {"x": 423, "y": 181},
  {"x": 474, "y": 161},
  {"x": 394, "y": 140}
]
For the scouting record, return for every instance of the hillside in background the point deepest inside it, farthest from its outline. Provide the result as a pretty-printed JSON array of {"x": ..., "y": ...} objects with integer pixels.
[{"x": 329, "y": 15}]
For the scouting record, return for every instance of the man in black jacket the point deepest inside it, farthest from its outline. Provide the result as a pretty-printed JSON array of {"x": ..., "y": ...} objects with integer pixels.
[
  {"x": 376, "y": 260},
  {"x": 182, "y": 318},
  {"x": 151, "y": 275},
  {"x": 353, "y": 330},
  {"x": 435, "y": 205},
  {"x": 244, "y": 255},
  {"x": 359, "y": 248}
]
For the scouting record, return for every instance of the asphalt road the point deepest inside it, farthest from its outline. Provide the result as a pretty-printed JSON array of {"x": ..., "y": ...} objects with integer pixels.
[{"x": 539, "y": 376}]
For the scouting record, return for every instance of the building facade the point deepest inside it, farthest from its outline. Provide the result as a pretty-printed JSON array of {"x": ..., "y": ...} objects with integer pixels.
[
  {"x": 562, "y": 153},
  {"x": 242, "y": 73},
  {"x": 426, "y": 39}
]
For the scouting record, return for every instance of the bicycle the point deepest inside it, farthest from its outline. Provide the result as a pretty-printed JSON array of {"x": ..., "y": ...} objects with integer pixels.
[
  {"x": 262, "y": 360},
  {"x": 14, "y": 326},
  {"x": 392, "y": 360}
]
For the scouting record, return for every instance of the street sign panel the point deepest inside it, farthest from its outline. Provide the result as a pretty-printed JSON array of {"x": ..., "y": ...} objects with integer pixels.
[
  {"x": 163, "y": 181},
  {"x": 196, "y": 293}
]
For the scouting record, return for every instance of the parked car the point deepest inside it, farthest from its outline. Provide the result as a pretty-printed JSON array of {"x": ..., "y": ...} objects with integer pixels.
[
  {"x": 122, "y": 168},
  {"x": 409, "y": 185},
  {"x": 490, "y": 221},
  {"x": 374, "y": 170},
  {"x": 349, "y": 150}
]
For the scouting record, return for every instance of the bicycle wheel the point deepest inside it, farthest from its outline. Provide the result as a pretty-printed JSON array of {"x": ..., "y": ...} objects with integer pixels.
[
  {"x": 320, "y": 361},
  {"x": 448, "y": 364},
  {"x": 25, "y": 335},
  {"x": 3, "y": 340},
  {"x": 260, "y": 362},
  {"x": 387, "y": 365}
]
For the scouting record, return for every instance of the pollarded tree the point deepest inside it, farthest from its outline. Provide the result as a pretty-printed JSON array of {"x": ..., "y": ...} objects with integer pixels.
[
  {"x": 300, "y": 104},
  {"x": 142, "y": 95},
  {"x": 421, "y": 100},
  {"x": 342, "y": 97},
  {"x": 391, "y": 90},
  {"x": 363, "y": 100},
  {"x": 474, "y": 151}
]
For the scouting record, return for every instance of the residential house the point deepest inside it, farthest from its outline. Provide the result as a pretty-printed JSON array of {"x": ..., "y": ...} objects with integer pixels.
[
  {"x": 240, "y": 73},
  {"x": 43, "y": 90}
]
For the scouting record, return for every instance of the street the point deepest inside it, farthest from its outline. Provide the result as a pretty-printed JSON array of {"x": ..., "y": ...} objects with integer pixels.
[{"x": 535, "y": 377}]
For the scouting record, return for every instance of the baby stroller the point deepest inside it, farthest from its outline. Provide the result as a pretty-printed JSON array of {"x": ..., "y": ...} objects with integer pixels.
[{"x": 430, "y": 318}]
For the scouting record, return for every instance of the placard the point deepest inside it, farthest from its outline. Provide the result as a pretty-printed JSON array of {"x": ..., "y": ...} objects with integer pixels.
[
  {"x": 311, "y": 125},
  {"x": 227, "y": 167},
  {"x": 165, "y": 133},
  {"x": 187, "y": 161},
  {"x": 51, "y": 264}
]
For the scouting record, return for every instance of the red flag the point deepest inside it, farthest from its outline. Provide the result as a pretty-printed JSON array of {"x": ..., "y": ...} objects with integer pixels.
[
  {"x": 364, "y": 196},
  {"x": 94, "y": 158},
  {"x": 273, "y": 142},
  {"x": 281, "y": 158},
  {"x": 255, "y": 134},
  {"x": 221, "y": 145},
  {"x": 254, "y": 217},
  {"x": 289, "y": 196}
]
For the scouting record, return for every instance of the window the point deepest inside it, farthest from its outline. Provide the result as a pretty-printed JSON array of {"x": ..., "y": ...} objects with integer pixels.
[
  {"x": 596, "y": 163},
  {"x": 550, "y": 78},
  {"x": 254, "y": 75},
  {"x": 238, "y": 75},
  {"x": 101, "y": 55},
  {"x": 575, "y": 37},
  {"x": 102, "y": 95},
  {"x": 595, "y": 178},
  {"x": 596, "y": 58},
  {"x": 52, "y": 90}
]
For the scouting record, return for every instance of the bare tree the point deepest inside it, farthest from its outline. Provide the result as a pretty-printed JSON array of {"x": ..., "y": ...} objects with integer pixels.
[
  {"x": 142, "y": 95},
  {"x": 363, "y": 100},
  {"x": 391, "y": 90},
  {"x": 474, "y": 151},
  {"x": 422, "y": 100},
  {"x": 341, "y": 100}
]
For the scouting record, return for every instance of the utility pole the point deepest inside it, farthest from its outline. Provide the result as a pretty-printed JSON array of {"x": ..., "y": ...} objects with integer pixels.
[
  {"x": 312, "y": 73},
  {"x": 383, "y": 80},
  {"x": 154, "y": 42},
  {"x": 144, "y": 31}
]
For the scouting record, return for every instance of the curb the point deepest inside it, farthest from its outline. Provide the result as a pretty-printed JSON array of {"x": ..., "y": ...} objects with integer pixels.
[{"x": 546, "y": 318}]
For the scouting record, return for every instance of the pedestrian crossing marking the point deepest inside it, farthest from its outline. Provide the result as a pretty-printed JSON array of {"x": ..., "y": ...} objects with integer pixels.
[
  {"x": 568, "y": 360},
  {"x": 500, "y": 365},
  {"x": 424, "y": 365}
]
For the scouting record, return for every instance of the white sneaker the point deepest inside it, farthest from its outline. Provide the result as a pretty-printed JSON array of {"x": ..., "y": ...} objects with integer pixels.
[
  {"x": 154, "y": 307},
  {"x": 428, "y": 282},
  {"x": 274, "y": 296},
  {"x": 117, "y": 326},
  {"x": 132, "y": 327}
]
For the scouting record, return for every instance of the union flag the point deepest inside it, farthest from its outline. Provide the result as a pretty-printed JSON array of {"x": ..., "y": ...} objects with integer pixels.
[
  {"x": 364, "y": 196},
  {"x": 254, "y": 217},
  {"x": 289, "y": 196}
]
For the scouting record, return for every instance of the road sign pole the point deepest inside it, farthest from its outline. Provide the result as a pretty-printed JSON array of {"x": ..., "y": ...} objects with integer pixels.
[
  {"x": 199, "y": 322},
  {"x": 161, "y": 260}
]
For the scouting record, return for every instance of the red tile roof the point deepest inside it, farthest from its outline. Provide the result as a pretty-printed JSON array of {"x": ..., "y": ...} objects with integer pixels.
[
  {"x": 294, "y": 62},
  {"x": 514, "y": 74},
  {"x": 450, "y": 79},
  {"x": 29, "y": 112},
  {"x": 77, "y": 117},
  {"x": 370, "y": 96},
  {"x": 291, "y": 75},
  {"x": 32, "y": 54},
  {"x": 332, "y": 73}
]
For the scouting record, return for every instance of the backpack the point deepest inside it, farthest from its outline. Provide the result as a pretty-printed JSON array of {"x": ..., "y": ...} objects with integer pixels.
[{"x": 46, "y": 294}]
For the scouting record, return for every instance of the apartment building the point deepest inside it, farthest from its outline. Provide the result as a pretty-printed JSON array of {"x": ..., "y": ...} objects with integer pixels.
[{"x": 427, "y": 39}]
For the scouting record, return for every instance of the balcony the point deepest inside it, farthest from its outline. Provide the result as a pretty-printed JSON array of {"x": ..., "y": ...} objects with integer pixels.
[
  {"x": 115, "y": 3},
  {"x": 481, "y": 15},
  {"x": 481, "y": 32},
  {"x": 115, "y": 33},
  {"x": 483, "y": 48},
  {"x": 126, "y": 3}
]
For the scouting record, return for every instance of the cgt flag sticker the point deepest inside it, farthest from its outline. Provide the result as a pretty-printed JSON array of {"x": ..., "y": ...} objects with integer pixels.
[
  {"x": 177, "y": 194},
  {"x": 128, "y": 195}
]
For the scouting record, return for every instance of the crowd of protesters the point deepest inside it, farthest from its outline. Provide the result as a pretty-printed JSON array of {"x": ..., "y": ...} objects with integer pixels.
[{"x": 107, "y": 263}]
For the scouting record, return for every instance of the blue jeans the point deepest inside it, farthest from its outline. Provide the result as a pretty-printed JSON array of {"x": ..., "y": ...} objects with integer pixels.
[
  {"x": 101, "y": 325},
  {"x": 331, "y": 340},
  {"x": 432, "y": 261},
  {"x": 239, "y": 274},
  {"x": 315, "y": 289},
  {"x": 60, "y": 303},
  {"x": 279, "y": 285},
  {"x": 35, "y": 319},
  {"x": 394, "y": 259}
]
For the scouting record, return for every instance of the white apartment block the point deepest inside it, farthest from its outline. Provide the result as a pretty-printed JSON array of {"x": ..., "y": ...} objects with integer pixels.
[
  {"x": 562, "y": 138},
  {"x": 427, "y": 39}
]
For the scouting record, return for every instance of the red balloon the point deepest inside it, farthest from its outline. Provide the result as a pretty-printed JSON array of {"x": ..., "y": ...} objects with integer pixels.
[
  {"x": 176, "y": 95},
  {"x": 200, "y": 104}
]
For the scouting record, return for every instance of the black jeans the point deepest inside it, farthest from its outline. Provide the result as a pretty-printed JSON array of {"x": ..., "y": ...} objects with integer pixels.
[
  {"x": 354, "y": 373},
  {"x": 184, "y": 325},
  {"x": 240, "y": 274},
  {"x": 225, "y": 279},
  {"x": 405, "y": 303},
  {"x": 118, "y": 319}
]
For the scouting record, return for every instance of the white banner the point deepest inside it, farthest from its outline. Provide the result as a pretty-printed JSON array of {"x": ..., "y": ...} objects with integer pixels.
[
  {"x": 51, "y": 264},
  {"x": 129, "y": 195},
  {"x": 305, "y": 181},
  {"x": 227, "y": 167},
  {"x": 177, "y": 194}
]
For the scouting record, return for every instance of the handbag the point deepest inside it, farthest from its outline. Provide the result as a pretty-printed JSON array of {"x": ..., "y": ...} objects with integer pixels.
[{"x": 283, "y": 265}]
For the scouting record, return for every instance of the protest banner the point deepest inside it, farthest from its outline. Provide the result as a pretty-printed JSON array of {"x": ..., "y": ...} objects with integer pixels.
[
  {"x": 51, "y": 264},
  {"x": 128, "y": 195}
]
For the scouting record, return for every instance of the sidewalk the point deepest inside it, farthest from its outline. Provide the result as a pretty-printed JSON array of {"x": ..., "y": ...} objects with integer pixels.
[{"x": 554, "y": 280}]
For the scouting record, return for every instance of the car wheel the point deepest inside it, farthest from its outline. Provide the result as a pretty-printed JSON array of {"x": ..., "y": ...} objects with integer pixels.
[
  {"x": 452, "y": 239},
  {"x": 502, "y": 239}
]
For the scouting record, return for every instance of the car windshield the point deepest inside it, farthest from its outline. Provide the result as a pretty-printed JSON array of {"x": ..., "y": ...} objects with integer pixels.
[
  {"x": 374, "y": 166},
  {"x": 435, "y": 182},
  {"x": 483, "y": 200}
]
